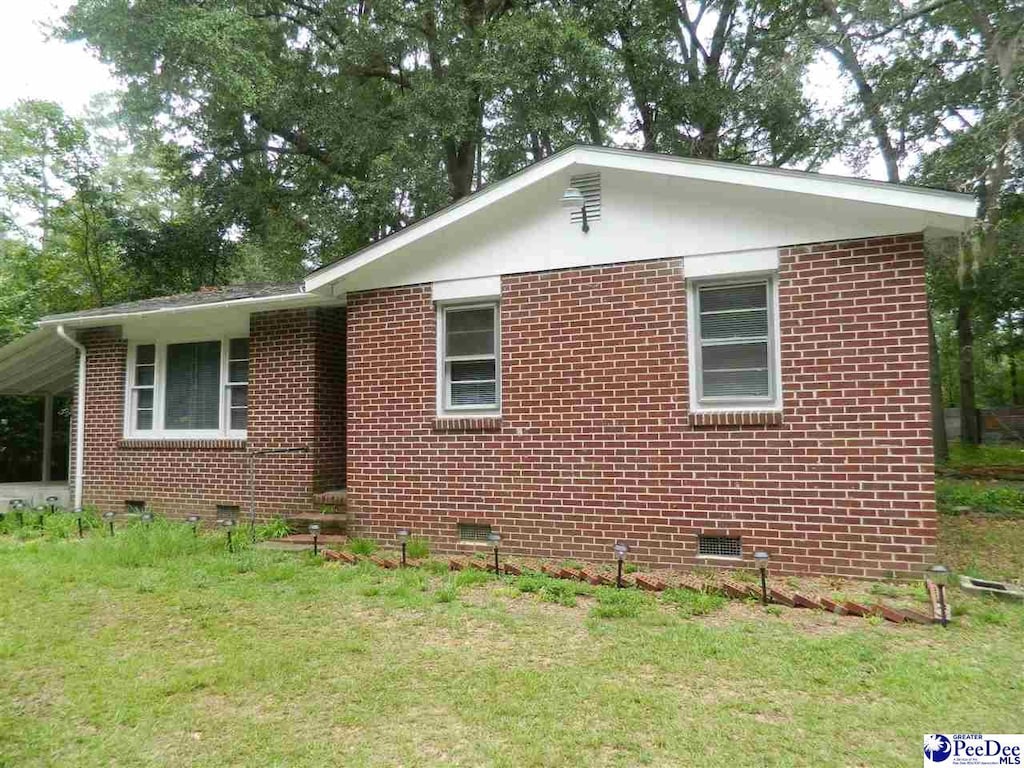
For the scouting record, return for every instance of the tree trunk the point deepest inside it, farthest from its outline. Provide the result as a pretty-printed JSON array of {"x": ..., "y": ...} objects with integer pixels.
[
  {"x": 940, "y": 441},
  {"x": 970, "y": 433},
  {"x": 459, "y": 162}
]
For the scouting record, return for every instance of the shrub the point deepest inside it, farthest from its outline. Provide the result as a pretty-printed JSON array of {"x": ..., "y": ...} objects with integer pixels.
[{"x": 362, "y": 546}]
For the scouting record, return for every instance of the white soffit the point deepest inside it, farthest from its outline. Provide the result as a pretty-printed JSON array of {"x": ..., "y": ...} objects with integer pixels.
[
  {"x": 740, "y": 262},
  {"x": 884, "y": 208},
  {"x": 473, "y": 288}
]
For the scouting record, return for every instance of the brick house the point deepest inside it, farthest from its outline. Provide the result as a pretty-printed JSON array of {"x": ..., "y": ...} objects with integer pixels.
[{"x": 700, "y": 359}]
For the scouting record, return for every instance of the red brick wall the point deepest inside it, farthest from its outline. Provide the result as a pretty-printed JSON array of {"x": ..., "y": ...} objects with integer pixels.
[
  {"x": 293, "y": 403},
  {"x": 596, "y": 443}
]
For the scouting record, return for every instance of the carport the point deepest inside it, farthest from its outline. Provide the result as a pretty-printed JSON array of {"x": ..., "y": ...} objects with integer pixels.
[{"x": 39, "y": 365}]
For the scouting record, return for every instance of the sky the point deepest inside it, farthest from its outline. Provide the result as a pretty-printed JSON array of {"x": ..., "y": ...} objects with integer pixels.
[{"x": 37, "y": 67}]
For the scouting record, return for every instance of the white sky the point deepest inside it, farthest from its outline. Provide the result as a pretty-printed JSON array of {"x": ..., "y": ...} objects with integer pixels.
[{"x": 35, "y": 67}]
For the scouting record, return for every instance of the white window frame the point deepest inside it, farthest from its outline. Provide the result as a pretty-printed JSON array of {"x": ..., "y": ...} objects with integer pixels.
[
  {"x": 444, "y": 406},
  {"x": 159, "y": 388},
  {"x": 701, "y": 404}
]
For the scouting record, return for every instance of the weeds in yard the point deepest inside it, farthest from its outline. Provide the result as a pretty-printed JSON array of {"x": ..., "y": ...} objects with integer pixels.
[
  {"x": 621, "y": 603},
  {"x": 985, "y": 496},
  {"x": 362, "y": 546},
  {"x": 417, "y": 548},
  {"x": 989, "y": 455},
  {"x": 690, "y": 603},
  {"x": 552, "y": 590},
  {"x": 274, "y": 529}
]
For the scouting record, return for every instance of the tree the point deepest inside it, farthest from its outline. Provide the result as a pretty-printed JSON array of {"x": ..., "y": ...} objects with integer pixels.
[{"x": 327, "y": 124}]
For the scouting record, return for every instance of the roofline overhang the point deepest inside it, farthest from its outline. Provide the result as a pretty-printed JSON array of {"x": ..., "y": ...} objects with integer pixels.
[
  {"x": 299, "y": 299},
  {"x": 954, "y": 204}
]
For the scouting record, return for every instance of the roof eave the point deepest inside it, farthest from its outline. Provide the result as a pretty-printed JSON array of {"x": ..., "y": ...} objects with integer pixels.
[{"x": 298, "y": 299}]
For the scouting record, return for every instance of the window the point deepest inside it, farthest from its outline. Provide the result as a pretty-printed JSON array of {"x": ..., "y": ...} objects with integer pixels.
[
  {"x": 142, "y": 389},
  {"x": 469, "y": 371},
  {"x": 238, "y": 384},
  {"x": 175, "y": 390},
  {"x": 734, "y": 344}
]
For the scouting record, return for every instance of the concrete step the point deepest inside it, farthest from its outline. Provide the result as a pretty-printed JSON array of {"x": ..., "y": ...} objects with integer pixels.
[
  {"x": 333, "y": 523},
  {"x": 334, "y": 498}
]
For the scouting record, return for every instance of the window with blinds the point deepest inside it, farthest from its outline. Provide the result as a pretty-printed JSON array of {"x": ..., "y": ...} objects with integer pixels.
[
  {"x": 192, "y": 394},
  {"x": 194, "y": 389},
  {"x": 470, "y": 358},
  {"x": 735, "y": 328}
]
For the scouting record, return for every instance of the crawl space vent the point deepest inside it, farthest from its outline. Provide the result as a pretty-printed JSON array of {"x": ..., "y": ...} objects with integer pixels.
[
  {"x": 473, "y": 532},
  {"x": 590, "y": 185},
  {"x": 719, "y": 546}
]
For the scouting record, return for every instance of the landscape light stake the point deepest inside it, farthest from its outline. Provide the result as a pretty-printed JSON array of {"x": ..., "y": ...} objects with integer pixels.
[
  {"x": 194, "y": 521},
  {"x": 81, "y": 532},
  {"x": 495, "y": 539},
  {"x": 403, "y": 536},
  {"x": 109, "y": 517},
  {"x": 229, "y": 524},
  {"x": 17, "y": 505},
  {"x": 52, "y": 501},
  {"x": 314, "y": 531},
  {"x": 761, "y": 558},
  {"x": 146, "y": 517},
  {"x": 620, "y": 549},
  {"x": 939, "y": 574}
]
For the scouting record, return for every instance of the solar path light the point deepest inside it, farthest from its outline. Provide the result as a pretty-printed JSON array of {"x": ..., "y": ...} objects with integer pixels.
[
  {"x": 228, "y": 525},
  {"x": 109, "y": 517},
  {"x": 18, "y": 505},
  {"x": 193, "y": 520},
  {"x": 621, "y": 549},
  {"x": 52, "y": 501},
  {"x": 403, "y": 536},
  {"x": 761, "y": 559},
  {"x": 495, "y": 539},
  {"x": 314, "y": 531},
  {"x": 939, "y": 575}
]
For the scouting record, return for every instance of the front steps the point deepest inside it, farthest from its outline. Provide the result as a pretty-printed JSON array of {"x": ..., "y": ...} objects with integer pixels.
[{"x": 332, "y": 519}]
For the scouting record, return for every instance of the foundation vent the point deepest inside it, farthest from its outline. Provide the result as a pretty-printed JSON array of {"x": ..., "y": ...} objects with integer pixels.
[{"x": 719, "y": 546}]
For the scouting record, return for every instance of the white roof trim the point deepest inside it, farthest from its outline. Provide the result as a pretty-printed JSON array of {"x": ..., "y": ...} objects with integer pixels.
[
  {"x": 860, "y": 190},
  {"x": 253, "y": 302}
]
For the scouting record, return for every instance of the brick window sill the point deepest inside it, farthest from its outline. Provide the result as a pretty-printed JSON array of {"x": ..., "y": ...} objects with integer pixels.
[
  {"x": 225, "y": 444},
  {"x": 465, "y": 424},
  {"x": 736, "y": 419}
]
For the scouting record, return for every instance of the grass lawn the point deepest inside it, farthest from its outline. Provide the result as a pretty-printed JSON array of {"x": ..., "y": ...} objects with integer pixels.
[{"x": 157, "y": 648}]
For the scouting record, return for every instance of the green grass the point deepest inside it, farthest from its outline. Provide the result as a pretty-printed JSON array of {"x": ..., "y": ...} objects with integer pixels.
[
  {"x": 986, "y": 496},
  {"x": 160, "y": 648},
  {"x": 988, "y": 455}
]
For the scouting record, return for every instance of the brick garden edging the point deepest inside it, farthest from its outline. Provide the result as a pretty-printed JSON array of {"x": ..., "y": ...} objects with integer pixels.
[{"x": 648, "y": 582}]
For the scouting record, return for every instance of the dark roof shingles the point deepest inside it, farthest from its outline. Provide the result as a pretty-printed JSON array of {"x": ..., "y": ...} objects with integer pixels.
[{"x": 197, "y": 298}]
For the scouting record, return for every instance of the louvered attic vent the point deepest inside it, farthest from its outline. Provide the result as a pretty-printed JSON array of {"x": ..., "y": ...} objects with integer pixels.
[{"x": 590, "y": 185}]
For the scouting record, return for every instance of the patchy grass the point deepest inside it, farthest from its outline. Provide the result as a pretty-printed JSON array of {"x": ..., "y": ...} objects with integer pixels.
[
  {"x": 990, "y": 497},
  {"x": 983, "y": 546},
  {"x": 160, "y": 648},
  {"x": 989, "y": 455}
]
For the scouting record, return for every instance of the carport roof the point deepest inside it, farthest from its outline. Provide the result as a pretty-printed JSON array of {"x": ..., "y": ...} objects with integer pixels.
[{"x": 39, "y": 363}]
